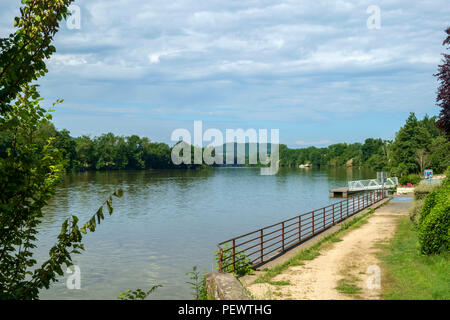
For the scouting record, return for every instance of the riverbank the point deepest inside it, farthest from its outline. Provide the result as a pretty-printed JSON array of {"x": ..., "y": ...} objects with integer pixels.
[
  {"x": 340, "y": 268},
  {"x": 409, "y": 275}
]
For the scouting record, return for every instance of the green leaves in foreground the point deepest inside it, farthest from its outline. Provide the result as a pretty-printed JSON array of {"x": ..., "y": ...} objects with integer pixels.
[
  {"x": 92, "y": 224},
  {"x": 137, "y": 294},
  {"x": 23, "y": 54},
  {"x": 197, "y": 283},
  {"x": 69, "y": 242}
]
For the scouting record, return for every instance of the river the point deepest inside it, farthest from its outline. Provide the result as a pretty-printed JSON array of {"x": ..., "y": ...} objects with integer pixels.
[{"x": 171, "y": 220}]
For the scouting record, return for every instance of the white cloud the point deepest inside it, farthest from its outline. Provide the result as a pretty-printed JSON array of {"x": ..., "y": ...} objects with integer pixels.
[
  {"x": 288, "y": 61},
  {"x": 67, "y": 60}
]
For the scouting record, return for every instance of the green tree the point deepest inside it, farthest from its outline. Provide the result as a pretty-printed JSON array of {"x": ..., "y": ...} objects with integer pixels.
[
  {"x": 439, "y": 154},
  {"x": 156, "y": 155},
  {"x": 31, "y": 166},
  {"x": 84, "y": 153},
  {"x": 443, "y": 95},
  {"x": 135, "y": 152},
  {"x": 30, "y": 172},
  {"x": 23, "y": 53},
  {"x": 410, "y": 138}
]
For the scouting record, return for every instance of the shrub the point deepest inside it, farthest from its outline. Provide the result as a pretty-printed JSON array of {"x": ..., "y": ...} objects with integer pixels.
[
  {"x": 242, "y": 263},
  {"x": 198, "y": 284},
  {"x": 447, "y": 176},
  {"x": 434, "y": 231},
  {"x": 429, "y": 203},
  {"x": 416, "y": 209},
  {"x": 434, "y": 223},
  {"x": 411, "y": 178},
  {"x": 422, "y": 190}
]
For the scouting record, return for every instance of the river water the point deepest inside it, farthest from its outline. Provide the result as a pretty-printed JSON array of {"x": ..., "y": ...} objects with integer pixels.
[{"x": 171, "y": 220}]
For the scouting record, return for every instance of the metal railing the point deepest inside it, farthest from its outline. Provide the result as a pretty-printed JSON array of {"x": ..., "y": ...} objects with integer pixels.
[
  {"x": 259, "y": 246},
  {"x": 372, "y": 184}
]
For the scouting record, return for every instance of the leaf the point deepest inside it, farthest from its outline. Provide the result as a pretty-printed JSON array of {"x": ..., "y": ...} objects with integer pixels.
[
  {"x": 100, "y": 215},
  {"x": 119, "y": 193},
  {"x": 110, "y": 208}
]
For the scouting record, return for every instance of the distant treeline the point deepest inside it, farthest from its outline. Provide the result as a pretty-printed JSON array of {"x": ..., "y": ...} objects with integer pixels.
[{"x": 417, "y": 144}]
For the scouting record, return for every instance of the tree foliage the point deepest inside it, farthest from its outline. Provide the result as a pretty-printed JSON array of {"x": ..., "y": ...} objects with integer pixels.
[
  {"x": 31, "y": 159},
  {"x": 137, "y": 294},
  {"x": 443, "y": 95},
  {"x": 434, "y": 221},
  {"x": 23, "y": 52},
  {"x": 30, "y": 171}
]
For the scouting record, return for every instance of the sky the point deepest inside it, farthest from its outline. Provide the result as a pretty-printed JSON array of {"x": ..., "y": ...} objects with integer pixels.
[{"x": 314, "y": 70}]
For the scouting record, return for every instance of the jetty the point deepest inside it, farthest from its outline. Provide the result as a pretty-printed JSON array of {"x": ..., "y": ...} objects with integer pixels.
[
  {"x": 363, "y": 185},
  {"x": 342, "y": 192}
]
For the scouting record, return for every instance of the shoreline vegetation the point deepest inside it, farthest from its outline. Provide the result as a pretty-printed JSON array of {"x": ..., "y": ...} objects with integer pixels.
[
  {"x": 418, "y": 145},
  {"x": 417, "y": 260},
  {"x": 410, "y": 275}
]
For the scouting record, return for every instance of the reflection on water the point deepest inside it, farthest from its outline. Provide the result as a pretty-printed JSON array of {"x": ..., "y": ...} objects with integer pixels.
[{"x": 170, "y": 220}]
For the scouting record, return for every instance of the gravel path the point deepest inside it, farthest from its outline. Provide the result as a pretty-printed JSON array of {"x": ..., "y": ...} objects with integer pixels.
[{"x": 348, "y": 260}]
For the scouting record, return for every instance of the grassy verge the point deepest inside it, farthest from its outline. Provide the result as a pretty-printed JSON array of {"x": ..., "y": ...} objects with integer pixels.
[
  {"x": 313, "y": 251},
  {"x": 409, "y": 275}
]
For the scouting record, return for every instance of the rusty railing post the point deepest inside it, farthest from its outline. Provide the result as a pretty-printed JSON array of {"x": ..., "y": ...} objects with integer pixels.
[
  {"x": 299, "y": 228},
  {"x": 234, "y": 255},
  {"x": 340, "y": 209},
  {"x": 282, "y": 236},
  {"x": 324, "y": 218},
  {"x": 333, "y": 214},
  {"x": 313, "y": 223},
  {"x": 261, "y": 251},
  {"x": 220, "y": 260}
]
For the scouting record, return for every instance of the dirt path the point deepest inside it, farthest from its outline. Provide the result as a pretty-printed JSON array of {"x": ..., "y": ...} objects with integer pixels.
[{"x": 345, "y": 262}]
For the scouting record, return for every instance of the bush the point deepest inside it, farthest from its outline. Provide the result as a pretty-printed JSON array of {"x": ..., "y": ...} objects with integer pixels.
[
  {"x": 447, "y": 176},
  {"x": 416, "y": 209},
  {"x": 429, "y": 203},
  {"x": 422, "y": 190},
  {"x": 198, "y": 284},
  {"x": 242, "y": 266},
  {"x": 411, "y": 178},
  {"x": 434, "y": 222},
  {"x": 434, "y": 231}
]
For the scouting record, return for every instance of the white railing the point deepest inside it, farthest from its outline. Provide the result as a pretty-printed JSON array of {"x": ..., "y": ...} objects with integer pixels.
[{"x": 372, "y": 184}]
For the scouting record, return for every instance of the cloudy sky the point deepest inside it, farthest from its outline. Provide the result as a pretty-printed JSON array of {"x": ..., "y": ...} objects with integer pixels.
[{"x": 312, "y": 69}]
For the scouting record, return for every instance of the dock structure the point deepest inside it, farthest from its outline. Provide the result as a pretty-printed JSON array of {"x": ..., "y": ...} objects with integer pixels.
[
  {"x": 364, "y": 185},
  {"x": 342, "y": 192}
]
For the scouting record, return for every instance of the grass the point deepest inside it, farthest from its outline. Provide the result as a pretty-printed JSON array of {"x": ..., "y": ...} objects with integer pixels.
[
  {"x": 313, "y": 251},
  {"x": 279, "y": 283},
  {"x": 348, "y": 287},
  {"x": 409, "y": 275}
]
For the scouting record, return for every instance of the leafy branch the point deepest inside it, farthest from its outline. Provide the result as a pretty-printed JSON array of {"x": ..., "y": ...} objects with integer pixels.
[
  {"x": 69, "y": 242},
  {"x": 137, "y": 294}
]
